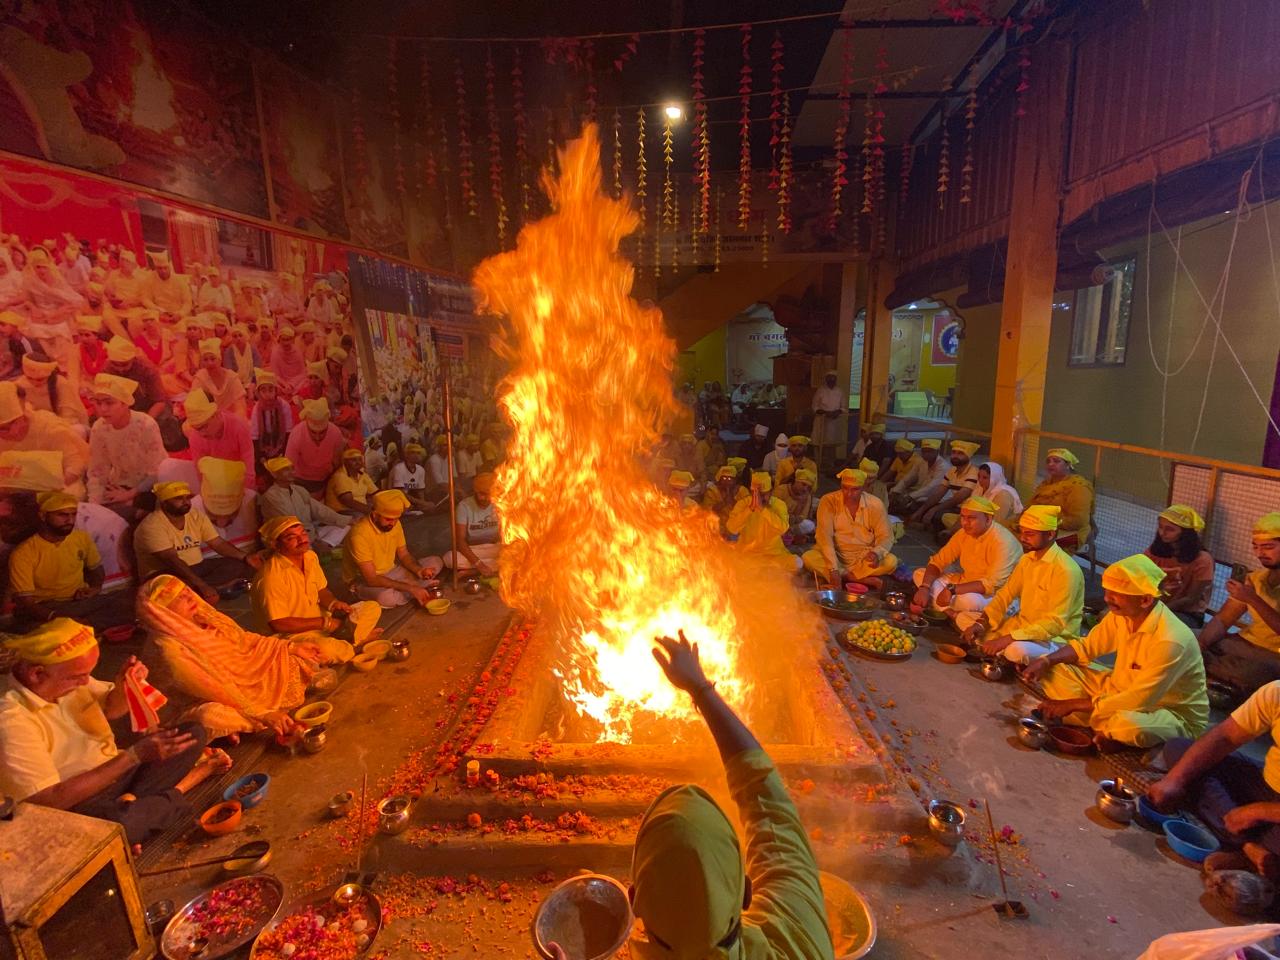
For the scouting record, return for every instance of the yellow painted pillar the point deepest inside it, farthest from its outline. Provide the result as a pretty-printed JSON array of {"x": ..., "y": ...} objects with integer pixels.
[
  {"x": 877, "y": 341},
  {"x": 1032, "y": 266},
  {"x": 850, "y": 275}
]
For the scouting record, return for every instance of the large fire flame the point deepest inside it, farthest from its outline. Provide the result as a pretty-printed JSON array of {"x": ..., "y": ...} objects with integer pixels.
[{"x": 593, "y": 549}]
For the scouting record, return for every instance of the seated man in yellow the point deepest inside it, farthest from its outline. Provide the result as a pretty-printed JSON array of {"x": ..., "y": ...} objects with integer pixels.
[
  {"x": 376, "y": 562},
  {"x": 797, "y": 446},
  {"x": 759, "y": 521},
  {"x": 1071, "y": 493},
  {"x": 797, "y": 496},
  {"x": 679, "y": 486},
  {"x": 1157, "y": 689},
  {"x": 349, "y": 489},
  {"x": 1251, "y": 657},
  {"x": 1048, "y": 587},
  {"x": 290, "y": 595},
  {"x": 985, "y": 554},
  {"x": 853, "y": 535},
  {"x": 284, "y": 498},
  {"x": 720, "y": 496},
  {"x": 57, "y": 571},
  {"x": 923, "y": 474}
]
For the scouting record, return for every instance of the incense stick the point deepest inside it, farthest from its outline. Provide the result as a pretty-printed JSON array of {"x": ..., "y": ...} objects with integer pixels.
[
  {"x": 364, "y": 786},
  {"x": 995, "y": 846}
]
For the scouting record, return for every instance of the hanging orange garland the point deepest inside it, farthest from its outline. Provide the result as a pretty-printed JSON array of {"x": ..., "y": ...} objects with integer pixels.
[
  {"x": 904, "y": 187},
  {"x": 668, "y": 191},
  {"x": 839, "y": 180},
  {"x": 744, "y": 132},
  {"x": 784, "y": 168},
  {"x": 393, "y": 99},
  {"x": 944, "y": 163},
  {"x": 701, "y": 136},
  {"x": 522, "y": 133},
  {"x": 642, "y": 168},
  {"x": 428, "y": 146},
  {"x": 966, "y": 170},
  {"x": 775, "y": 110},
  {"x": 715, "y": 249},
  {"x": 466, "y": 169},
  {"x": 495, "y": 149},
  {"x": 617, "y": 155}
]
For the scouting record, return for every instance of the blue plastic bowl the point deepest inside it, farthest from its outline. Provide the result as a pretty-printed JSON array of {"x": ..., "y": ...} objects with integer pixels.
[
  {"x": 259, "y": 781},
  {"x": 1189, "y": 841},
  {"x": 1151, "y": 815}
]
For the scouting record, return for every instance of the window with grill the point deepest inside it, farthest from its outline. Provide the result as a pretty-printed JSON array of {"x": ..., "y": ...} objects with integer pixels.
[{"x": 1100, "y": 317}]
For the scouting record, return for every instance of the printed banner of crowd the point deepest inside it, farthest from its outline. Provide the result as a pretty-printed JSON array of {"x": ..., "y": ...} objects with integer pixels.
[{"x": 144, "y": 341}]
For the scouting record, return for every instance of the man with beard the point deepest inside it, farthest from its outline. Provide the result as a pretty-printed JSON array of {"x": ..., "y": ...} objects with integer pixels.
[
  {"x": 853, "y": 535},
  {"x": 57, "y": 571},
  {"x": 923, "y": 475},
  {"x": 172, "y": 538},
  {"x": 1250, "y": 657},
  {"x": 1156, "y": 690},
  {"x": 477, "y": 531},
  {"x": 1048, "y": 587},
  {"x": 958, "y": 483},
  {"x": 756, "y": 447},
  {"x": 377, "y": 564}
]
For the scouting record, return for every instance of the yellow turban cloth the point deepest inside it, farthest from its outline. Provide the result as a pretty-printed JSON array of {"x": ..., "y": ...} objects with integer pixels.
[
  {"x": 271, "y": 530},
  {"x": 10, "y": 404},
  {"x": 851, "y": 477},
  {"x": 442, "y": 441},
  {"x": 688, "y": 873},
  {"x": 799, "y": 438},
  {"x": 38, "y": 369},
  {"x": 390, "y": 503},
  {"x": 736, "y": 462},
  {"x": 1136, "y": 576},
  {"x": 54, "y": 500},
  {"x": 57, "y": 641},
  {"x": 171, "y": 489},
  {"x": 120, "y": 350},
  {"x": 318, "y": 369},
  {"x": 1183, "y": 516},
  {"x": 286, "y": 333},
  {"x": 904, "y": 446},
  {"x": 967, "y": 447},
  {"x": 307, "y": 327},
  {"x": 683, "y": 479},
  {"x": 86, "y": 322},
  {"x": 200, "y": 407},
  {"x": 1040, "y": 516},
  {"x": 211, "y": 346},
  {"x": 353, "y": 454},
  {"x": 276, "y": 464},
  {"x": 978, "y": 504},
  {"x": 727, "y": 472},
  {"x": 879, "y": 428},
  {"x": 316, "y": 410},
  {"x": 1062, "y": 453},
  {"x": 869, "y": 467},
  {"x": 117, "y": 388},
  {"x": 336, "y": 354},
  {"x": 1266, "y": 528},
  {"x": 805, "y": 475},
  {"x": 417, "y": 448},
  {"x": 264, "y": 378},
  {"x": 13, "y": 319},
  {"x": 931, "y": 443}
]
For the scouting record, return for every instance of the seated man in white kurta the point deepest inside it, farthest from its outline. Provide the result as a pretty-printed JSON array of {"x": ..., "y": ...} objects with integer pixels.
[
  {"x": 477, "y": 535},
  {"x": 985, "y": 554},
  {"x": 853, "y": 534}
]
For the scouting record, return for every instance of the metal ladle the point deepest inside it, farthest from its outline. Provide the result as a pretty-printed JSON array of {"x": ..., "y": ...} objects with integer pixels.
[{"x": 253, "y": 851}]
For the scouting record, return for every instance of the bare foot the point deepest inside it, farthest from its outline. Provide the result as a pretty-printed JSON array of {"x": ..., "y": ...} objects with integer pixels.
[
  {"x": 1264, "y": 862},
  {"x": 205, "y": 768}
]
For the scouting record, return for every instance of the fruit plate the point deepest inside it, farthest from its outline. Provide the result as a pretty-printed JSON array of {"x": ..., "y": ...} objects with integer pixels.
[
  {"x": 876, "y": 654},
  {"x": 844, "y": 606}
]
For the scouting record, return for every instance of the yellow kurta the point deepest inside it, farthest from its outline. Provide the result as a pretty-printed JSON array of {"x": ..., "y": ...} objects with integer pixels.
[
  {"x": 714, "y": 500},
  {"x": 843, "y": 539},
  {"x": 169, "y": 296},
  {"x": 712, "y": 456},
  {"x": 787, "y": 469},
  {"x": 1050, "y": 595},
  {"x": 1257, "y": 632},
  {"x": 990, "y": 558},
  {"x": 1261, "y": 714},
  {"x": 1074, "y": 495},
  {"x": 760, "y": 531},
  {"x": 1155, "y": 692}
]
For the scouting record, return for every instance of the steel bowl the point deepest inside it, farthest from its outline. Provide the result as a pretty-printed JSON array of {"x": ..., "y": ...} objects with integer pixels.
[
  {"x": 315, "y": 739},
  {"x": 849, "y": 918},
  {"x": 1116, "y": 801},
  {"x": 340, "y": 804},
  {"x": 394, "y": 813},
  {"x": 910, "y": 623},
  {"x": 996, "y": 669},
  {"x": 436, "y": 592},
  {"x": 323, "y": 681},
  {"x": 860, "y": 606},
  {"x": 158, "y": 914},
  {"x": 946, "y": 821},
  {"x": 400, "y": 651},
  {"x": 1033, "y": 732},
  {"x": 588, "y": 916},
  {"x": 895, "y": 601},
  {"x": 472, "y": 587}
]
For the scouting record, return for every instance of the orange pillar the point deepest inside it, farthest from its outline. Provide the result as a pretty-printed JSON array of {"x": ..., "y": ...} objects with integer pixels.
[
  {"x": 1032, "y": 265},
  {"x": 877, "y": 342}
]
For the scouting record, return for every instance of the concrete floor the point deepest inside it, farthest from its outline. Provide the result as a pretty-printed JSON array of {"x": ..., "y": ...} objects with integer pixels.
[{"x": 1094, "y": 889}]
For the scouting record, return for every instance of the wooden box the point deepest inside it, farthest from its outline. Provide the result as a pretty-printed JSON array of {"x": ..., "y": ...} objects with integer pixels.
[{"x": 68, "y": 890}]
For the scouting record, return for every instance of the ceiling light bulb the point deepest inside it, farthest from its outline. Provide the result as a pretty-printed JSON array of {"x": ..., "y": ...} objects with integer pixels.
[{"x": 673, "y": 111}]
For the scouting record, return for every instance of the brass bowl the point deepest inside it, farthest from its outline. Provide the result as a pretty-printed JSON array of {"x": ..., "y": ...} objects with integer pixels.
[
  {"x": 340, "y": 804},
  {"x": 393, "y": 814},
  {"x": 950, "y": 653},
  {"x": 315, "y": 739},
  {"x": 946, "y": 821}
]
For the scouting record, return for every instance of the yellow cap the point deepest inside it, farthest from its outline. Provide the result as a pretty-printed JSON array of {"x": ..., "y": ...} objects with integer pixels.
[
  {"x": 1040, "y": 516},
  {"x": 287, "y": 333},
  {"x": 976, "y": 504},
  {"x": 200, "y": 407},
  {"x": 317, "y": 369},
  {"x": 211, "y": 346},
  {"x": 1183, "y": 516},
  {"x": 57, "y": 641},
  {"x": 760, "y": 481},
  {"x": 1265, "y": 528},
  {"x": 53, "y": 500},
  {"x": 336, "y": 354},
  {"x": 276, "y": 464},
  {"x": 351, "y": 453},
  {"x": 10, "y": 403},
  {"x": 869, "y": 467},
  {"x": 316, "y": 410},
  {"x": 120, "y": 350},
  {"x": 442, "y": 441},
  {"x": 1062, "y": 453},
  {"x": 390, "y": 503},
  {"x": 85, "y": 321},
  {"x": 270, "y": 530},
  {"x": 38, "y": 257},
  {"x": 264, "y": 378},
  {"x": 726, "y": 473},
  {"x": 680, "y": 479},
  {"x": 417, "y": 448},
  {"x": 851, "y": 477},
  {"x": 879, "y": 428},
  {"x": 170, "y": 489},
  {"x": 930, "y": 443},
  {"x": 967, "y": 447},
  {"x": 38, "y": 369},
  {"x": 117, "y": 388},
  {"x": 1137, "y": 575},
  {"x": 805, "y": 475},
  {"x": 799, "y": 438},
  {"x": 904, "y": 446},
  {"x": 737, "y": 462}
]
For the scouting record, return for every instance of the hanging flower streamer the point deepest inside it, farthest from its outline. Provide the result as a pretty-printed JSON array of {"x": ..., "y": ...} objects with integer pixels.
[
  {"x": 589, "y": 65},
  {"x": 944, "y": 163},
  {"x": 668, "y": 192},
  {"x": 877, "y": 135},
  {"x": 447, "y": 199},
  {"x": 839, "y": 180},
  {"x": 715, "y": 249},
  {"x": 642, "y": 167},
  {"x": 617, "y": 155},
  {"x": 628, "y": 52},
  {"x": 764, "y": 244},
  {"x": 784, "y": 168},
  {"x": 675, "y": 230},
  {"x": 657, "y": 240},
  {"x": 393, "y": 99},
  {"x": 701, "y": 136},
  {"x": 868, "y": 166},
  {"x": 522, "y": 133},
  {"x": 904, "y": 188},
  {"x": 466, "y": 169},
  {"x": 428, "y": 144},
  {"x": 495, "y": 149},
  {"x": 970, "y": 122},
  {"x": 775, "y": 110},
  {"x": 744, "y": 132},
  {"x": 358, "y": 139}
]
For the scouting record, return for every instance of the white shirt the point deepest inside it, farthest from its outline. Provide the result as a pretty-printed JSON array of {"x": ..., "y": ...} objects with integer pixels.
[
  {"x": 467, "y": 463},
  {"x": 829, "y": 400},
  {"x": 481, "y": 523},
  {"x": 43, "y": 743},
  {"x": 438, "y": 465},
  {"x": 402, "y": 478}
]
